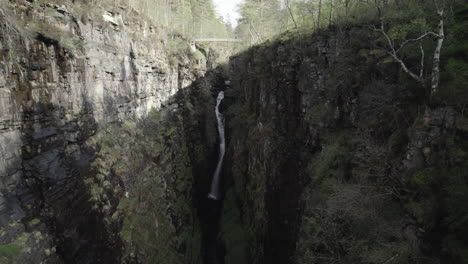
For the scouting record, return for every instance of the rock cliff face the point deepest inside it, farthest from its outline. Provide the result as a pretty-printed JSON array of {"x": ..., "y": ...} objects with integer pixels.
[
  {"x": 332, "y": 155},
  {"x": 63, "y": 77}
]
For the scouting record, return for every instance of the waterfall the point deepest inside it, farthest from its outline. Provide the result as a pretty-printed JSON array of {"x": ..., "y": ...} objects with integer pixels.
[{"x": 215, "y": 192}]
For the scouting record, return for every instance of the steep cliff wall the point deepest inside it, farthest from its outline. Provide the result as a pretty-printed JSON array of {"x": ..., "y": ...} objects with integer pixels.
[
  {"x": 334, "y": 156},
  {"x": 66, "y": 72}
]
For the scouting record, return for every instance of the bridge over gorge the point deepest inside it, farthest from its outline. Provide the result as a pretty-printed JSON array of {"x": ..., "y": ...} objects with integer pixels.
[{"x": 217, "y": 40}]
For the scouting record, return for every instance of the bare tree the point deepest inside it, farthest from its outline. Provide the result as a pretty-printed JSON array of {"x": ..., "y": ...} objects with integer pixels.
[
  {"x": 346, "y": 5},
  {"x": 394, "y": 51},
  {"x": 440, "y": 42},
  {"x": 319, "y": 16},
  {"x": 288, "y": 5},
  {"x": 258, "y": 36}
]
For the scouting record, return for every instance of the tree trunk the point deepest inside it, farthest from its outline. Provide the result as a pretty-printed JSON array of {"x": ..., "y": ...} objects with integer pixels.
[
  {"x": 290, "y": 13},
  {"x": 436, "y": 61},
  {"x": 347, "y": 8},
  {"x": 319, "y": 13}
]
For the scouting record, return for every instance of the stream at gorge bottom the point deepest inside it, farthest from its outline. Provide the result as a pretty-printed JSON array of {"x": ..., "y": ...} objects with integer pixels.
[{"x": 214, "y": 249}]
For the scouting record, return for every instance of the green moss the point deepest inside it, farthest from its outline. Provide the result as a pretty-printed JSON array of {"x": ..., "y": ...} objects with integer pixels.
[
  {"x": 190, "y": 108},
  {"x": 78, "y": 44},
  {"x": 100, "y": 177},
  {"x": 9, "y": 251},
  {"x": 330, "y": 161},
  {"x": 170, "y": 131},
  {"x": 198, "y": 55},
  {"x": 89, "y": 181},
  {"x": 65, "y": 39},
  {"x": 23, "y": 9},
  {"x": 34, "y": 222},
  {"x": 50, "y": 11},
  {"x": 21, "y": 239},
  {"x": 106, "y": 184}
]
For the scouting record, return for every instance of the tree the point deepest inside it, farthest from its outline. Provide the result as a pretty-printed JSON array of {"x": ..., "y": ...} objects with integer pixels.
[
  {"x": 394, "y": 51},
  {"x": 319, "y": 15},
  {"x": 436, "y": 60},
  {"x": 288, "y": 6},
  {"x": 260, "y": 19}
]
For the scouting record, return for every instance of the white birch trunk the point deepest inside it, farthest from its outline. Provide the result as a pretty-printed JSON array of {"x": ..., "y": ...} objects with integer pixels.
[{"x": 436, "y": 60}]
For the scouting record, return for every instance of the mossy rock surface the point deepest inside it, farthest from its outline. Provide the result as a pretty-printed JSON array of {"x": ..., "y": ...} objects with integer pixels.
[{"x": 9, "y": 252}]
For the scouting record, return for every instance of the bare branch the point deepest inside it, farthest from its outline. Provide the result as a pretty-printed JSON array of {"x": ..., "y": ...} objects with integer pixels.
[
  {"x": 389, "y": 41},
  {"x": 288, "y": 5},
  {"x": 421, "y": 73},
  {"x": 259, "y": 37},
  {"x": 406, "y": 42},
  {"x": 394, "y": 55}
]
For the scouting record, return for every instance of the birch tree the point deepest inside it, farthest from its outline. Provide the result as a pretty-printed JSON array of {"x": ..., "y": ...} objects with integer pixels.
[
  {"x": 395, "y": 51},
  {"x": 440, "y": 41},
  {"x": 288, "y": 6}
]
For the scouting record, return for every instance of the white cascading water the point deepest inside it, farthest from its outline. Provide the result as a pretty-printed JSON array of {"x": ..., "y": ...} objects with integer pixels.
[{"x": 215, "y": 192}]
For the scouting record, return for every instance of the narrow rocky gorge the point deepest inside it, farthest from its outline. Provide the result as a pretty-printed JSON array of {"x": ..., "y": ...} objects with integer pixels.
[{"x": 120, "y": 144}]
